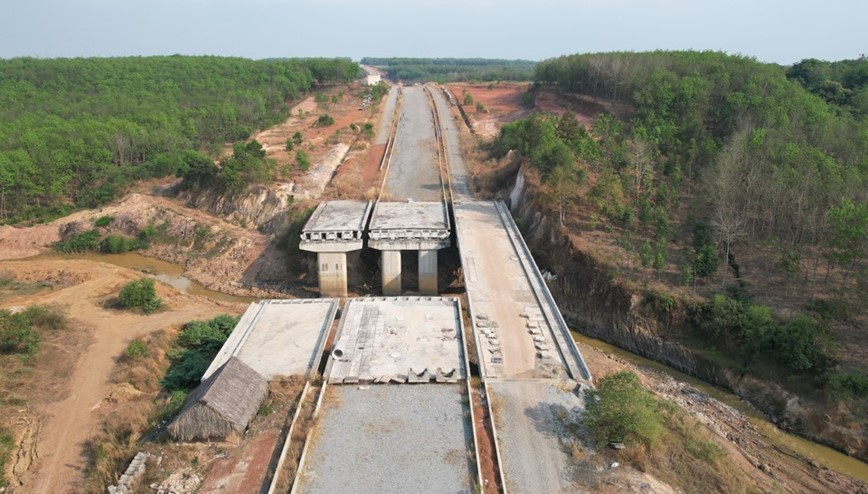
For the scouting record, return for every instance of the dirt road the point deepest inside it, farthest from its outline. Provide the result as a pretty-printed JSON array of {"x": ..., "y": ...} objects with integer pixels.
[{"x": 68, "y": 421}]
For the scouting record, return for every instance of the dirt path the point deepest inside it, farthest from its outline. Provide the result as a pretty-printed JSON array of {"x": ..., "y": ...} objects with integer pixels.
[{"x": 68, "y": 422}]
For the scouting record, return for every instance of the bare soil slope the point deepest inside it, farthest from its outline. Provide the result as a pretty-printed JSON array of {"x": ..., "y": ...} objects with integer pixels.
[{"x": 67, "y": 416}]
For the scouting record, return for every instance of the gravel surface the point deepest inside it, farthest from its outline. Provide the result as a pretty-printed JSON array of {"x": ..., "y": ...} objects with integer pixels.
[
  {"x": 531, "y": 418},
  {"x": 390, "y": 438},
  {"x": 386, "y": 122},
  {"x": 414, "y": 172},
  {"x": 460, "y": 178}
]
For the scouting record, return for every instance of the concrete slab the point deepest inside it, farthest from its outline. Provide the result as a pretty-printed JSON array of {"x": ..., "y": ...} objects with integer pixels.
[
  {"x": 409, "y": 226},
  {"x": 534, "y": 420},
  {"x": 279, "y": 337},
  {"x": 403, "y": 339},
  {"x": 336, "y": 226},
  {"x": 414, "y": 171},
  {"x": 390, "y": 438}
]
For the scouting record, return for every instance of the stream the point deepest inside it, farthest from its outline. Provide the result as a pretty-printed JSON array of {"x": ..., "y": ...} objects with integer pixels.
[{"x": 823, "y": 455}]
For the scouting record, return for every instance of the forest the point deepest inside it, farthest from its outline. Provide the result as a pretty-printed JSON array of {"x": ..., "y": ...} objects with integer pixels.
[
  {"x": 713, "y": 157},
  {"x": 75, "y": 132},
  {"x": 453, "y": 69}
]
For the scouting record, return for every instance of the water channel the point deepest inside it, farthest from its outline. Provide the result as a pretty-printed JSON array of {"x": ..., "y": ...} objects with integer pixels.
[
  {"x": 823, "y": 455},
  {"x": 172, "y": 274}
]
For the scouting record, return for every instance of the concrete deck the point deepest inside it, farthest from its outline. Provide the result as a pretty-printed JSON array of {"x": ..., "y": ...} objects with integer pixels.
[
  {"x": 414, "y": 170},
  {"x": 401, "y": 339},
  {"x": 336, "y": 226},
  {"x": 514, "y": 338},
  {"x": 409, "y": 226},
  {"x": 390, "y": 438},
  {"x": 279, "y": 337},
  {"x": 532, "y": 419}
]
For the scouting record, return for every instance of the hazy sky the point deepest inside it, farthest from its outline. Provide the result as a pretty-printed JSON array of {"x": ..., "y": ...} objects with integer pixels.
[{"x": 770, "y": 30}]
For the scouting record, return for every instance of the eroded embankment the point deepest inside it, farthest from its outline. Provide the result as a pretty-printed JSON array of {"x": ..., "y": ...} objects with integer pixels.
[{"x": 597, "y": 306}]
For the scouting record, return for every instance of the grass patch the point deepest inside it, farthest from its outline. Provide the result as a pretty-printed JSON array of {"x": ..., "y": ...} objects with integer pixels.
[
  {"x": 103, "y": 221},
  {"x": 7, "y": 445}
]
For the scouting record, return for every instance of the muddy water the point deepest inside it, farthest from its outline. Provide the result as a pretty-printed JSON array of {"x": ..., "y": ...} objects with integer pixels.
[
  {"x": 168, "y": 273},
  {"x": 819, "y": 453}
]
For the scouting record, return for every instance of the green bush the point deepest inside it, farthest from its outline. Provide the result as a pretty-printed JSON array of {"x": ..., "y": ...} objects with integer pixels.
[
  {"x": 17, "y": 335},
  {"x": 136, "y": 350},
  {"x": 79, "y": 242},
  {"x": 621, "y": 410},
  {"x": 140, "y": 294},
  {"x": 368, "y": 130},
  {"x": 173, "y": 405},
  {"x": 7, "y": 445},
  {"x": 118, "y": 244},
  {"x": 289, "y": 145},
  {"x": 302, "y": 160},
  {"x": 198, "y": 344},
  {"x": 20, "y": 332},
  {"x": 103, "y": 221},
  {"x": 852, "y": 384},
  {"x": 324, "y": 120}
]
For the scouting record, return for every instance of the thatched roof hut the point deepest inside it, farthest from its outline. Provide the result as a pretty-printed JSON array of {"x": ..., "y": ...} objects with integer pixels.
[{"x": 223, "y": 404}]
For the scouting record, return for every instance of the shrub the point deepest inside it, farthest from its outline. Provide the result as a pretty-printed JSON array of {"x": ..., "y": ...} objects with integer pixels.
[
  {"x": 140, "y": 294},
  {"x": 853, "y": 384},
  {"x": 17, "y": 335},
  {"x": 289, "y": 144},
  {"x": 103, "y": 221},
  {"x": 136, "y": 350},
  {"x": 198, "y": 343},
  {"x": 7, "y": 445},
  {"x": 79, "y": 242},
  {"x": 368, "y": 130},
  {"x": 296, "y": 138},
  {"x": 621, "y": 410},
  {"x": 118, "y": 244},
  {"x": 302, "y": 160},
  {"x": 324, "y": 120}
]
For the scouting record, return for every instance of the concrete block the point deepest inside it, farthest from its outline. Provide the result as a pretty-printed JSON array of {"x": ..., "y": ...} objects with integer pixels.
[
  {"x": 428, "y": 272},
  {"x": 332, "y": 272},
  {"x": 391, "y": 272}
]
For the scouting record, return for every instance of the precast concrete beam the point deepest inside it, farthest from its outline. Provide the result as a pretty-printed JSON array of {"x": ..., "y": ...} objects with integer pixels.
[
  {"x": 332, "y": 273},
  {"x": 428, "y": 272},
  {"x": 391, "y": 272}
]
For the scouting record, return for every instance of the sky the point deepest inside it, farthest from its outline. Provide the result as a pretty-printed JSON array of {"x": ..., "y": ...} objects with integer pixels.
[{"x": 769, "y": 30}]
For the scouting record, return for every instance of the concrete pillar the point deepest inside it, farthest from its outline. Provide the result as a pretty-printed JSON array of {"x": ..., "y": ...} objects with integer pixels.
[
  {"x": 391, "y": 268},
  {"x": 428, "y": 272},
  {"x": 332, "y": 274}
]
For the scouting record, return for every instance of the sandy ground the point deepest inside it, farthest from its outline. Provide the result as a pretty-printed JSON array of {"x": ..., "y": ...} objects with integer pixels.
[
  {"x": 228, "y": 258},
  {"x": 68, "y": 420},
  {"x": 501, "y": 104}
]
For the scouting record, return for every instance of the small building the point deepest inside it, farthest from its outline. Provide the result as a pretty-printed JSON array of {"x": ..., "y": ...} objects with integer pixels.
[
  {"x": 224, "y": 404},
  {"x": 372, "y": 79}
]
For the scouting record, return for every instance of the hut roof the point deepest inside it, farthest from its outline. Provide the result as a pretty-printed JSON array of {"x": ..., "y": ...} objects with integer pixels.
[{"x": 234, "y": 392}]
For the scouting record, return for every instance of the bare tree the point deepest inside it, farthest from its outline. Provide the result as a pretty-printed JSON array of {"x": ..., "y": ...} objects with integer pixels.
[{"x": 729, "y": 185}]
